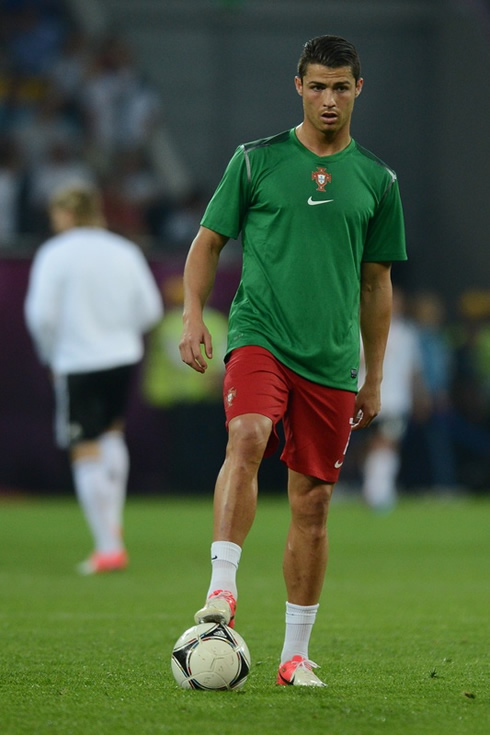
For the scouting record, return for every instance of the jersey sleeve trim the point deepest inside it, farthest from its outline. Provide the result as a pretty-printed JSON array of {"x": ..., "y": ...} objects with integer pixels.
[{"x": 247, "y": 164}]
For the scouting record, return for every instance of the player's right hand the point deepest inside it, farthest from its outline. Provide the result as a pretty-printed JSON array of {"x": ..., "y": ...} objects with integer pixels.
[{"x": 190, "y": 348}]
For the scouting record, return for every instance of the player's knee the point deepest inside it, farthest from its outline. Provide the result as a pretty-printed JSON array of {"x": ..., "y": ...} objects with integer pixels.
[
  {"x": 312, "y": 504},
  {"x": 248, "y": 436}
]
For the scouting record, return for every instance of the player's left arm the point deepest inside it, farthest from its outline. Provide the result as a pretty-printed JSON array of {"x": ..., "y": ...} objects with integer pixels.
[{"x": 375, "y": 318}]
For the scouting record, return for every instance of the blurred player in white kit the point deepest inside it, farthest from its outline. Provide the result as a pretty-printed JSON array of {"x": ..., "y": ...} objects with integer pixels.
[{"x": 90, "y": 299}]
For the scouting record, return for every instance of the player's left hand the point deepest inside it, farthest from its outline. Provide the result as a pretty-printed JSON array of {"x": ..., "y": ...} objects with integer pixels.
[{"x": 367, "y": 407}]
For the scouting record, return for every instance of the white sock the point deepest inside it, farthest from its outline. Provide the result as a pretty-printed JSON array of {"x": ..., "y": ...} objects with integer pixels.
[
  {"x": 225, "y": 557},
  {"x": 299, "y": 624},
  {"x": 380, "y": 473},
  {"x": 115, "y": 457},
  {"x": 94, "y": 494}
]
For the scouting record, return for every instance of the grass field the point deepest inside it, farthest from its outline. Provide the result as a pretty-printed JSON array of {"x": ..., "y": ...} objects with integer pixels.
[{"x": 402, "y": 636}]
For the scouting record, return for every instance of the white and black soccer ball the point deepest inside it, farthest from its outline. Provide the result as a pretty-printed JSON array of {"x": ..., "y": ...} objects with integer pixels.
[{"x": 210, "y": 656}]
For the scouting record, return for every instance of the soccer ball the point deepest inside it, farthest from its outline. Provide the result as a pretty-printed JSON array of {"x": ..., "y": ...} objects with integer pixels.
[{"x": 210, "y": 656}]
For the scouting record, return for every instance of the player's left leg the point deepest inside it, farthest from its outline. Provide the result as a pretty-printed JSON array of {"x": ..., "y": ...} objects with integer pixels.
[
  {"x": 115, "y": 457},
  {"x": 306, "y": 553},
  {"x": 305, "y": 562},
  {"x": 382, "y": 463},
  {"x": 94, "y": 493},
  {"x": 324, "y": 416}
]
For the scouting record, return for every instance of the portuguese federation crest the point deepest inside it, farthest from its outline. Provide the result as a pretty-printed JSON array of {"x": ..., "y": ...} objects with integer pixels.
[{"x": 322, "y": 178}]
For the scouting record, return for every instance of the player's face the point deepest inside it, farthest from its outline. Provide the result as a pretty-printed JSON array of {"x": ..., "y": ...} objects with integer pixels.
[{"x": 328, "y": 97}]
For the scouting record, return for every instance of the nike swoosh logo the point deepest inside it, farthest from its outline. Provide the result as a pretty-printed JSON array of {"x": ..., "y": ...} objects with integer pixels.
[
  {"x": 319, "y": 201},
  {"x": 338, "y": 464}
]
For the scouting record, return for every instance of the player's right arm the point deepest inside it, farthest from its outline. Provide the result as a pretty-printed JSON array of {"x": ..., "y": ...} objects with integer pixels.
[
  {"x": 199, "y": 276},
  {"x": 42, "y": 307}
]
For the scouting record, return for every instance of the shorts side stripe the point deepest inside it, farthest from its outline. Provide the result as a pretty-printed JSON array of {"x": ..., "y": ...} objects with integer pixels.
[{"x": 62, "y": 411}]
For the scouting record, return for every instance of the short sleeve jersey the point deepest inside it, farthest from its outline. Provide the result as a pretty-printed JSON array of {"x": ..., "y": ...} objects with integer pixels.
[{"x": 307, "y": 224}]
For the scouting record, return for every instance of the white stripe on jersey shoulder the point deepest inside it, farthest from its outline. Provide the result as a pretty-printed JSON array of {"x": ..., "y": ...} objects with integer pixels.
[{"x": 247, "y": 164}]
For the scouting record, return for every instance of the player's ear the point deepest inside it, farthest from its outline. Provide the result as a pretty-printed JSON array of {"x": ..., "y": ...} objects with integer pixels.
[
  {"x": 359, "y": 85},
  {"x": 298, "y": 83}
]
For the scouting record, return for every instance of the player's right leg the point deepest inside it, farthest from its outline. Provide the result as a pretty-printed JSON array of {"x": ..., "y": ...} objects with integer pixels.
[
  {"x": 235, "y": 503},
  {"x": 255, "y": 398}
]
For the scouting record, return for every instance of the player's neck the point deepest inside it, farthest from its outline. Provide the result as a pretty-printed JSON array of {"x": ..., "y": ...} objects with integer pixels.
[{"x": 323, "y": 144}]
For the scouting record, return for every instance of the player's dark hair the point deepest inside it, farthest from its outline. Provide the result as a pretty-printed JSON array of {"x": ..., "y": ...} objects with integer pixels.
[{"x": 331, "y": 51}]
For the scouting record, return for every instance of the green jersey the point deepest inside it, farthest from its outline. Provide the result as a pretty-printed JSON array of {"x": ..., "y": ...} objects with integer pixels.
[{"x": 307, "y": 224}]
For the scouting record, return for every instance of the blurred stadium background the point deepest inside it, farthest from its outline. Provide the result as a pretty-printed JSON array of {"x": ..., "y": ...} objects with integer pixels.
[{"x": 150, "y": 97}]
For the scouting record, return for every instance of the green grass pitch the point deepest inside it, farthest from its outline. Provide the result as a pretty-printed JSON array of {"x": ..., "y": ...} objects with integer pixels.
[{"x": 402, "y": 635}]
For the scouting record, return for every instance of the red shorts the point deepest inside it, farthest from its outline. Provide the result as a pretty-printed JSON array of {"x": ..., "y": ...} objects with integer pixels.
[{"x": 317, "y": 420}]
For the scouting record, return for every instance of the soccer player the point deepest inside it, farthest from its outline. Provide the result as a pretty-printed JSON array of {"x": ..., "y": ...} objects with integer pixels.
[
  {"x": 403, "y": 393},
  {"x": 321, "y": 222},
  {"x": 91, "y": 296}
]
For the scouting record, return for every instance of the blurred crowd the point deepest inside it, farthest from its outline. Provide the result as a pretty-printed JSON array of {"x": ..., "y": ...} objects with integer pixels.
[
  {"x": 433, "y": 433},
  {"x": 79, "y": 109}
]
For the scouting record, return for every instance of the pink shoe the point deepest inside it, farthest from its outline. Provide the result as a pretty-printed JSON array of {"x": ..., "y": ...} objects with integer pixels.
[
  {"x": 298, "y": 672},
  {"x": 99, "y": 562},
  {"x": 220, "y": 608}
]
